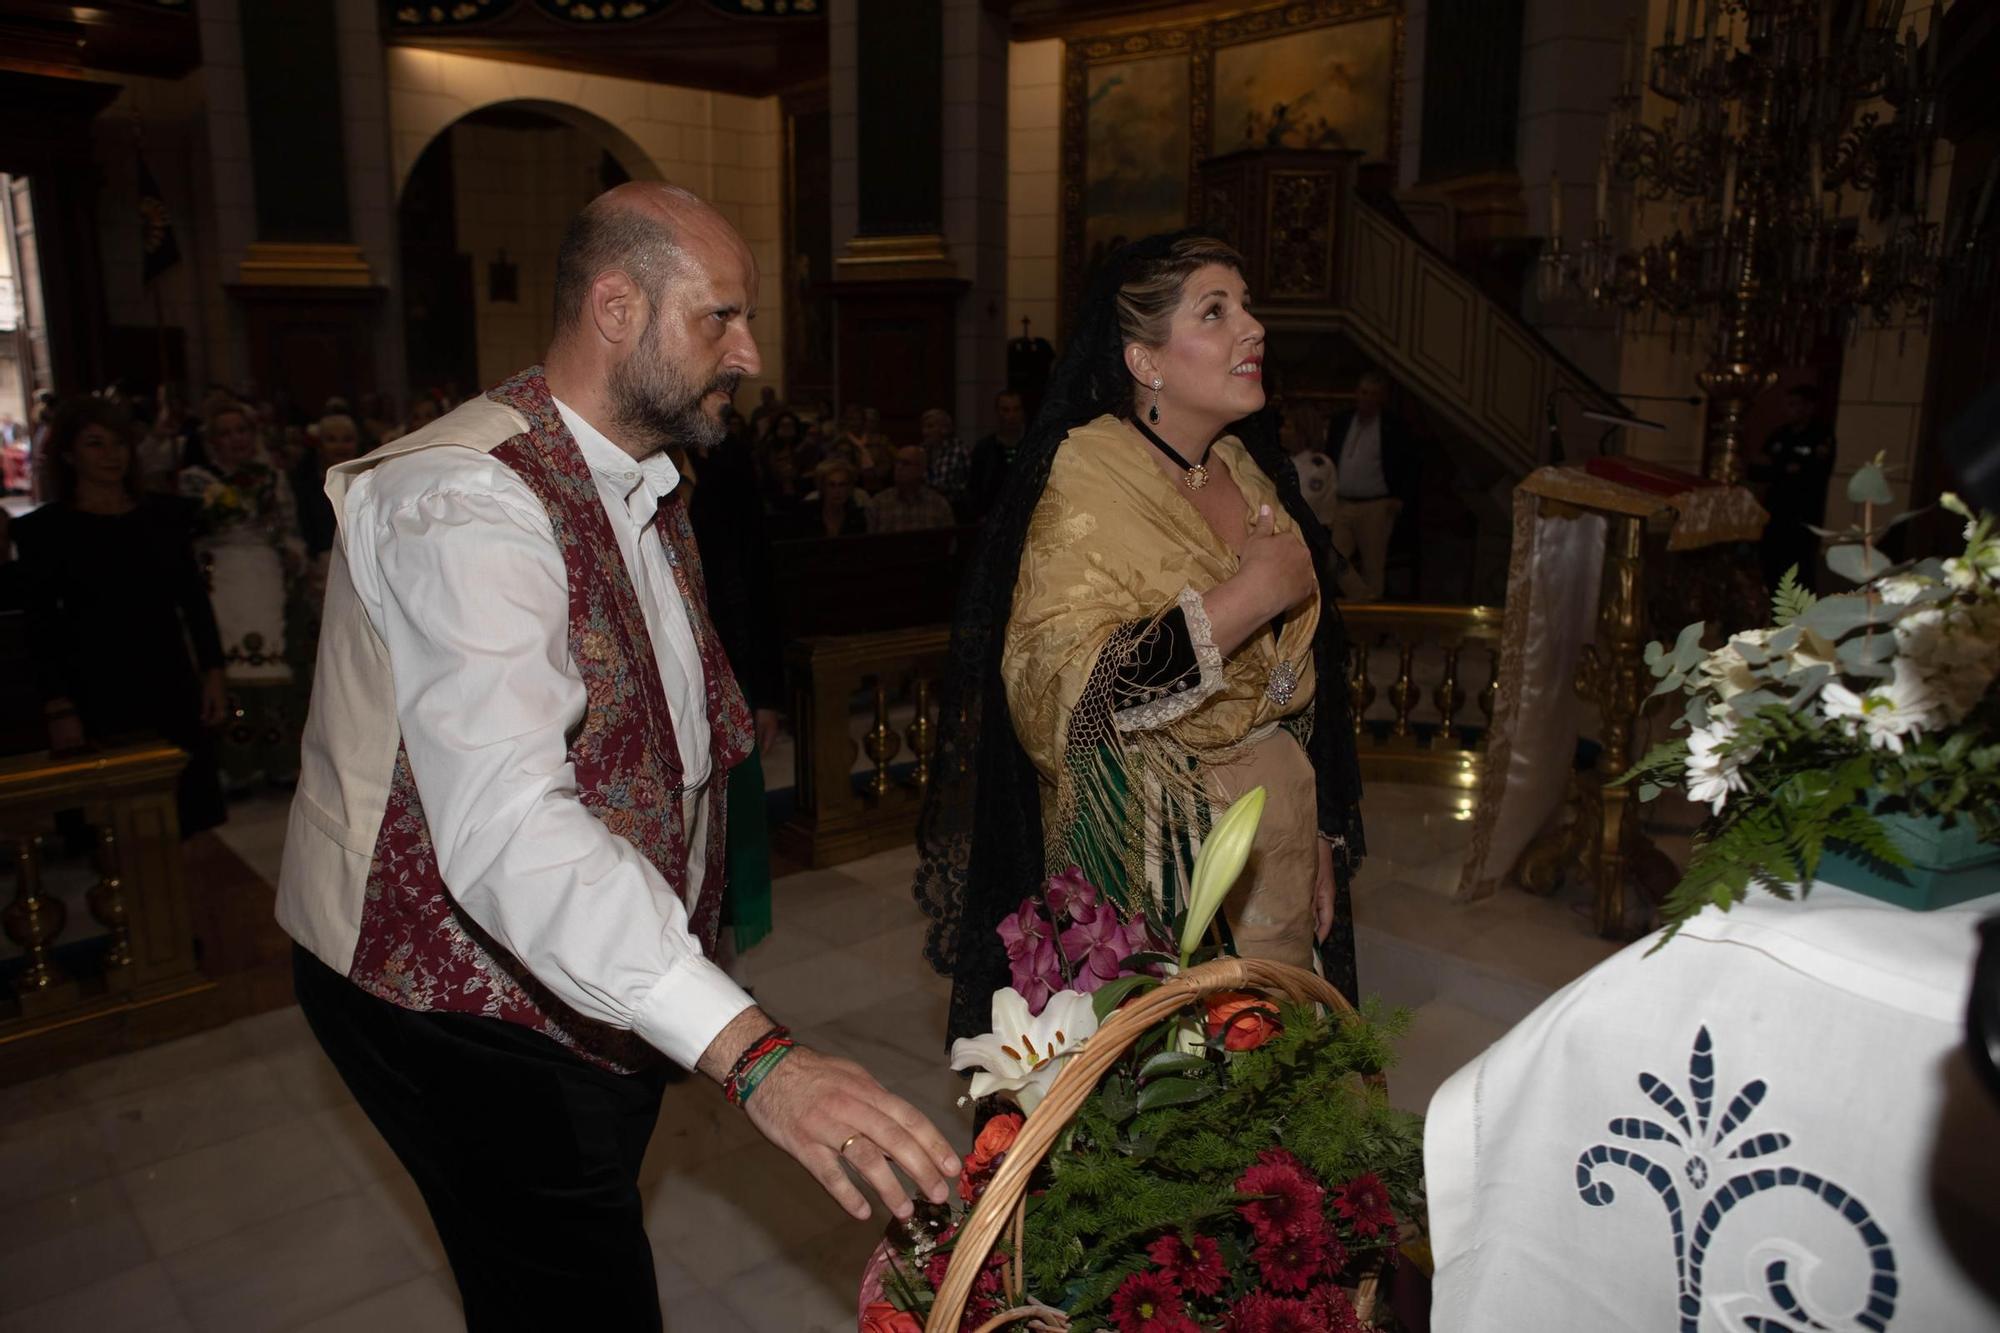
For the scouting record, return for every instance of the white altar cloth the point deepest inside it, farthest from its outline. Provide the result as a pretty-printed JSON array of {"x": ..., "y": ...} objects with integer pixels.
[{"x": 1769, "y": 1121}]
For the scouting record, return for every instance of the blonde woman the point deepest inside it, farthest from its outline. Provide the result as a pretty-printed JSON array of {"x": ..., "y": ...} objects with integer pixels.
[
  {"x": 249, "y": 544},
  {"x": 1144, "y": 637}
]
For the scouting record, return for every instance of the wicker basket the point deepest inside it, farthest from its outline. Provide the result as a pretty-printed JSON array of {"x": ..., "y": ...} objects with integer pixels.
[{"x": 1003, "y": 1206}]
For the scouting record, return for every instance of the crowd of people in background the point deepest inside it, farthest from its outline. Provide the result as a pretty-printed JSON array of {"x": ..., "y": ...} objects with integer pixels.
[
  {"x": 821, "y": 475},
  {"x": 174, "y": 563}
]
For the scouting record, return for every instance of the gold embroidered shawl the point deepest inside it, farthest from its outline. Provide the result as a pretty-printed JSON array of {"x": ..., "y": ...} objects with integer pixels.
[{"x": 1113, "y": 545}]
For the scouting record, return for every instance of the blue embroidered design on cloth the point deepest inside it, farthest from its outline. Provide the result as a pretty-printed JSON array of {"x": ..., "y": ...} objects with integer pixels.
[{"x": 1686, "y": 1123}]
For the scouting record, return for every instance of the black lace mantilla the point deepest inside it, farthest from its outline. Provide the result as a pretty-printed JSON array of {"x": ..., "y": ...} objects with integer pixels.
[{"x": 980, "y": 838}]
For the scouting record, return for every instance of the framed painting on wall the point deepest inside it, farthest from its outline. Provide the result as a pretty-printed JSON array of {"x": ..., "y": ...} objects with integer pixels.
[
  {"x": 1135, "y": 157},
  {"x": 1327, "y": 87},
  {"x": 1142, "y": 109}
]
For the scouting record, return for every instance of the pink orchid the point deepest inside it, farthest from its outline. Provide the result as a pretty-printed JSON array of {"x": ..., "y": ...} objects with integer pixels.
[
  {"x": 1031, "y": 955},
  {"x": 1098, "y": 942},
  {"x": 1070, "y": 892}
]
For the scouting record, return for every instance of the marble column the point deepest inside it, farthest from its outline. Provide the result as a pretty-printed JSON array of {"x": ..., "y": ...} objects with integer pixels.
[{"x": 918, "y": 109}]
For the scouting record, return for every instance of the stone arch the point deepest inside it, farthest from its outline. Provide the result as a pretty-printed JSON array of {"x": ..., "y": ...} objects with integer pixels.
[
  {"x": 637, "y": 162},
  {"x": 724, "y": 147}
]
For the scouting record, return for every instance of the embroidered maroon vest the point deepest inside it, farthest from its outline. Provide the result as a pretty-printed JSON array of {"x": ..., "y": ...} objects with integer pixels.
[{"x": 417, "y": 948}]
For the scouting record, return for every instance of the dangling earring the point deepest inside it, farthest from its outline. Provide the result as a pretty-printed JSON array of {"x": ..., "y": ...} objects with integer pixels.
[{"x": 1153, "y": 412}]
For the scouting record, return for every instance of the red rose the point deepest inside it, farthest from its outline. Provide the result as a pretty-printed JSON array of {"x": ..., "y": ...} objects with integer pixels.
[
  {"x": 882, "y": 1317},
  {"x": 1247, "y": 1020},
  {"x": 987, "y": 1150}
]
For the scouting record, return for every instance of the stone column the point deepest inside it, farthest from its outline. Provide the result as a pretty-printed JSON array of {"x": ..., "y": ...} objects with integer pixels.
[
  {"x": 975, "y": 201},
  {"x": 310, "y": 300},
  {"x": 899, "y": 279}
]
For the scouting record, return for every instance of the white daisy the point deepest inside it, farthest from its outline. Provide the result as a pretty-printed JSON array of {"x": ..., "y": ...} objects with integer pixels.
[
  {"x": 1887, "y": 714},
  {"x": 1714, "y": 769}
]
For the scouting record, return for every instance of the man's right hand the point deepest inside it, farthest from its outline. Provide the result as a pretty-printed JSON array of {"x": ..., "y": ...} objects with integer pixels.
[
  {"x": 824, "y": 1111},
  {"x": 813, "y": 1104}
]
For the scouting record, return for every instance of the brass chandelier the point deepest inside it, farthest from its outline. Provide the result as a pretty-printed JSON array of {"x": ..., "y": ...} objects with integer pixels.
[{"x": 1765, "y": 140}]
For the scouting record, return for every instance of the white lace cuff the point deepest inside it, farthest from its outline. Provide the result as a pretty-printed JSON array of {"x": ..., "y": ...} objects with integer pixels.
[{"x": 1170, "y": 703}]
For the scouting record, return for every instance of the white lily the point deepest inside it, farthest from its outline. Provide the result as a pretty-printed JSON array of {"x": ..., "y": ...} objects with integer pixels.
[
  {"x": 1023, "y": 1053},
  {"x": 1218, "y": 864}
]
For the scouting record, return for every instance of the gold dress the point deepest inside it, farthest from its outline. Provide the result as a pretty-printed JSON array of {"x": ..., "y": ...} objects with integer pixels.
[{"x": 1140, "y": 730}]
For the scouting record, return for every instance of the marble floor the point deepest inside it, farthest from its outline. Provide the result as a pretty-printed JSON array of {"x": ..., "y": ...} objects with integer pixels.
[{"x": 227, "y": 1181}]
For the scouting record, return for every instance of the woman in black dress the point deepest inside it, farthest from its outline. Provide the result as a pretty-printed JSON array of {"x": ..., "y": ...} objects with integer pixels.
[{"x": 115, "y": 601}]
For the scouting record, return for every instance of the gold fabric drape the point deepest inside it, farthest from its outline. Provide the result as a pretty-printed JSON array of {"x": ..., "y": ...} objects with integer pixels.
[{"x": 1114, "y": 545}]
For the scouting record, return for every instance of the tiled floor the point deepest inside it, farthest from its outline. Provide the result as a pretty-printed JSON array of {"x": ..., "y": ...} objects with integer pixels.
[{"x": 228, "y": 1182}]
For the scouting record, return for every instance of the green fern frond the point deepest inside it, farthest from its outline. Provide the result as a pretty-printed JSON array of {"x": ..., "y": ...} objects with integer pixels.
[{"x": 1790, "y": 601}]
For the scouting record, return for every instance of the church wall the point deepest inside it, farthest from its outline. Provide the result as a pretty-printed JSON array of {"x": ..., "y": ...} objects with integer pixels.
[
  {"x": 515, "y": 191},
  {"x": 724, "y": 148},
  {"x": 163, "y": 121},
  {"x": 1034, "y": 184},
  {"x": 976, "y": 224}
]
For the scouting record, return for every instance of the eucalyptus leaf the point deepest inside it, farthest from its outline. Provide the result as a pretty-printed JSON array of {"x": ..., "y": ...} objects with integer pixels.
[
  {"x": 1649, "y": 791},
  {"x": 1864, "y": 651},
  {"x": 1781, "y": 642},
  {"x": 1688, "y": 652},
  {"x": 1807, "y": 682},
  {"x": 1836, "y": 617},
  {"x": 1749, "y": 702},
  {"x": 1858, "y": 563},
  {"x": 1869, "y": 486},
  {"x": 1173, "y": 1092},
  {"x": 1656, "y": 653}
]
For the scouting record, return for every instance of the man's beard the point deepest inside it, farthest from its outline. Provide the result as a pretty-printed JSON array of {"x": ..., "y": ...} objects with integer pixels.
[{"x": 651, "y": 400}]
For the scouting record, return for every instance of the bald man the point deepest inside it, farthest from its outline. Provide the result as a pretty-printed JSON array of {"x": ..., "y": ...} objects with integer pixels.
[{"x": 504, "y": 863}]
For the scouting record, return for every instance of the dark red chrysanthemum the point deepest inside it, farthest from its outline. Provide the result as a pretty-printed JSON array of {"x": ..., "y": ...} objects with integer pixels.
[
  {"x": 1290, "y": 1198},
  {"x": 1193, "y": 1263},
  {"x": 1261, "y": 1312},
  {"x": 1292, "y": 1263},
  {"x": 989, "y": 1281},
  {"x": 1334, "y": 1253},
  {"x": 1336, "y": 1311},
  {"x": 1147, "y": 1303},
  {"x": 1364, "y": 1202}
]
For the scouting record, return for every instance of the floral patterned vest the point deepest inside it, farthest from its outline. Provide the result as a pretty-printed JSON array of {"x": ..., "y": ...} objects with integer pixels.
[{"x": 417, "y": 949}]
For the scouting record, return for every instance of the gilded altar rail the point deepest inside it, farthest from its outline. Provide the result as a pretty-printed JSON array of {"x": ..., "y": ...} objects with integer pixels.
[
  {"x": 1433, "y": 660},
  {"x": 145, "y": 953},
  {"x": 1421, "y": 680}
]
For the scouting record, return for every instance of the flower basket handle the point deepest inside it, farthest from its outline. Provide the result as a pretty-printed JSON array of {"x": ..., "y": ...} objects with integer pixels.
[{"x": 1001, "y": 1207}]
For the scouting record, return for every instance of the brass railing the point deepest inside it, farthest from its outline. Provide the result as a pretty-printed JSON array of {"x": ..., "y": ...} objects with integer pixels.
[
  {"x": 145, "y": 952},
  {"x": 1413, "y": 670},
  {"x": 1421, "y": 681},
  {"x": 849, "y": 694}
]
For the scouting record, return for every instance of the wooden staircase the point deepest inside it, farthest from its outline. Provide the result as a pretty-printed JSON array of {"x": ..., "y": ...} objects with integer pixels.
[{"x": 1324, "y": 260}]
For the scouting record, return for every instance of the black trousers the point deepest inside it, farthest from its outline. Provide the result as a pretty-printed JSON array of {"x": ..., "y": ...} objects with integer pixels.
[{"x": 527, "y": 1156}]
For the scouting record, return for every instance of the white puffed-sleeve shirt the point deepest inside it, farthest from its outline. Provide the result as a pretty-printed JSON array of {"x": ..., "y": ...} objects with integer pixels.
[{"x": 456, "y": 565}]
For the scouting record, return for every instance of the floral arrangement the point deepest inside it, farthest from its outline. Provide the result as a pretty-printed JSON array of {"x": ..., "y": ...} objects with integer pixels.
[
  {"x": 1235, "y": 1170},
  {"x": 220, "y": 504},
  {"x": 1847, "y": 707}
]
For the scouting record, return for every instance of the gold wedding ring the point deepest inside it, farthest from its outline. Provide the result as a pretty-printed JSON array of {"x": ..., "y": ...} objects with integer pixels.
[{"x": 847, "y": 1143}]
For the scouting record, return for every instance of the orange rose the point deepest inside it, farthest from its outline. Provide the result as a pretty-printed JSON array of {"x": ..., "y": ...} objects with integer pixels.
[
  {"x": 882, "y": 1317},
  {"x": 1244, "y": 1021},
  {"x": 995, "y": 1139}
]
